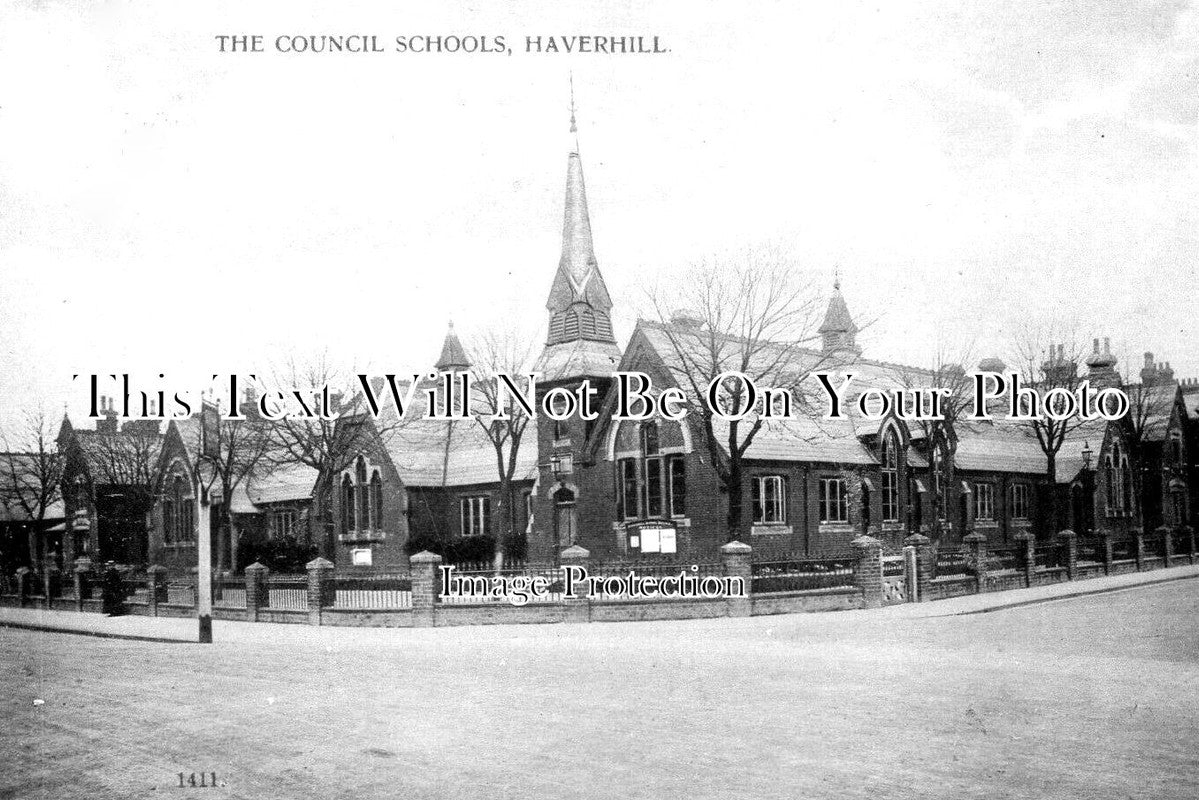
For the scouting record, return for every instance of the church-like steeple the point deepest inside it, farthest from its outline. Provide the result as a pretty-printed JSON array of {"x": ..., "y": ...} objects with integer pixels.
[
  {"x": 453, "y": 354},
  {"x": 838, "y": 329},
  {"x": 580, "y": 341},
  {"x": 579, "y": 303}
]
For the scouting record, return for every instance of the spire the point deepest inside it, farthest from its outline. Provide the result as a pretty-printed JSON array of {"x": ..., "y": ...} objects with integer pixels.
[
  {"x": 838, "y": 328},
  {"x": 579, "y": 303},
  {"x": 453, "y": 355}
]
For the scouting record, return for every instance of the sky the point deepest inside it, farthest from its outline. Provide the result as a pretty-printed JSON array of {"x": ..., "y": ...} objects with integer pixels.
[{"x": 968, "y": 169}]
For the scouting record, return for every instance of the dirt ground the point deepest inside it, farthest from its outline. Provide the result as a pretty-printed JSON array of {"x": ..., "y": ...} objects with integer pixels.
[{"x": 1091, "y": 697}]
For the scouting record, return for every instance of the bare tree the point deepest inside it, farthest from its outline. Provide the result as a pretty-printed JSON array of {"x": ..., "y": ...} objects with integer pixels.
[
  {"x": 750, "y": 315},
  {"x": 238, "y": 448},
  {"x": 1047, "y": 366},
  {"x": 508, "y": 351},
  {"x": 326, "y": 444},
  {"x": 949, "y": 374},
  {"x": 31, "y": 473}
]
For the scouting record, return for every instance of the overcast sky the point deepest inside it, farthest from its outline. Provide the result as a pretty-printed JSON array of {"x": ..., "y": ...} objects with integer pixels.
[{"x": 168, "y": 208}]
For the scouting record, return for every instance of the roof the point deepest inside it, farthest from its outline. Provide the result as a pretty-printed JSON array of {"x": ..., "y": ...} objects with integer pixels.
[
  {"x": 454, "y": 453},
  {"x": 837, "y": 318},
  {"x": 577, "y": 358},
  {"x": 453, "y": 354},
  {"x": 578, "y": 278},
  {"x": 281, "y": 484},
  {"x": 28, "y": 474},
  {"x": 999, "y": 445}
]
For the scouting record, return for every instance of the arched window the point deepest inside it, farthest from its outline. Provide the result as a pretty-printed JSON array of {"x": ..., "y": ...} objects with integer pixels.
[
  {"x": 890, "y": 467},
  {"x": 940, "y": 481},
  {"x": 180, "y": 531},
  {"x": 362, "y": 517},
  {"x": 347, "y": 504},
  {"x": 376, "y": 502},
  {"x": 1126, "y": 485}
]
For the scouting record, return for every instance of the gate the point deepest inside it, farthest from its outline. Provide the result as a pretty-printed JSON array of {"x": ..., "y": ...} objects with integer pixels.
[{"x": 899, "y": 577}]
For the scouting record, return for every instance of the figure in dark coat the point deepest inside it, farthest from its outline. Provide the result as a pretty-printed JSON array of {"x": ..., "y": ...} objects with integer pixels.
[{"x": 113, "y": 593}]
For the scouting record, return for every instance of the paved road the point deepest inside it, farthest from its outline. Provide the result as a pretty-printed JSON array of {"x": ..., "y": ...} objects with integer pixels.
[{"x": 1090, "y": 697}]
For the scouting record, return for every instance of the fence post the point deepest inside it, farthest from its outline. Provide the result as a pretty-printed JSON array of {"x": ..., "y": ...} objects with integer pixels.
[
  {"x": 1105, "y": 544},
  {"x": 737, "y": 557},
  {"x": 51, "y": 580},
  {"x": 578, "y": 608},
  {"x": 156, "y": 584},
  {"x": 925, "y": 562},
  {"x": 1139, "y": 537},
  {"x": 1069, "y": 542},
  {"x": 24, "y": 585},
  {"x": 83, "y": 565},
  {"x": 256, "y": 591},
  {"x": 868, "y": 570},
  {"x": 320, "y": 580},
  {"x": 425, "y": 576},
  {"x": 976, "y": 557},
  {"x": 1167, "y": 544},
  {"x": 1029, "y": 557}
]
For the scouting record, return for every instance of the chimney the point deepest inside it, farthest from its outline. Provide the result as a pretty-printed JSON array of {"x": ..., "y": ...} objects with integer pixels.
[
  {"x": 992, "y": 364},
  {"x": 109, "y": 423},
  {"x": 1167, "y": 373},
  {"x": 685, "y": 318},
  {"x": 249, "y": 403},
  {"x": 1149, "y": 371},
  {"x": 1101, "y": 366}
]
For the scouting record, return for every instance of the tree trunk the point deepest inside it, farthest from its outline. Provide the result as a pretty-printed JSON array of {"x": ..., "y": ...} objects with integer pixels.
[{"x": 736, "y": 514}]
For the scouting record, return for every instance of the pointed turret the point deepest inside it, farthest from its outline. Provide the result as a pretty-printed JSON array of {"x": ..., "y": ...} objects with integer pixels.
[
  {"x": 453, "y": 355},
  {"x": 580, "y": 340},
  {"x": 838, "y": 329}
]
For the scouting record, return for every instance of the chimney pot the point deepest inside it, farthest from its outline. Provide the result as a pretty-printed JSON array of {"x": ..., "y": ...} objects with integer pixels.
[
  {"x": 1107, "y": 345},
  {"x": 1095, "y": 346}
]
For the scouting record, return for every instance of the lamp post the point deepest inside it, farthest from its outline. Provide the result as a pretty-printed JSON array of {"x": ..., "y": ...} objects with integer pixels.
[
  {"x": 205, "y": 476},
  {"x": 1088, "y": 487}
]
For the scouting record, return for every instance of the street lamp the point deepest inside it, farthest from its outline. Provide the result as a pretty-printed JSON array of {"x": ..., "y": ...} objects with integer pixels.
[
  {"x": 1088, "y": 481},
  {"x": 205, "y": 475}
]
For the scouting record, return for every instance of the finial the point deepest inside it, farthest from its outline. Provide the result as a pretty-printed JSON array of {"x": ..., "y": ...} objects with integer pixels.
[
  {"x": 837, "y": 277},
  {"x": 451, "y": 324},
  {"x": 573, "y": 127}
]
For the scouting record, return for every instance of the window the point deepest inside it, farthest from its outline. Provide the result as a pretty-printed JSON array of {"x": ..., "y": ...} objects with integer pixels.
[
  {"x": 652, "y": 486},
  {"x": 168, "y": 520},
  {"x": 678, "y": 487},
  {"x": 476, "y": 516},
  {"x": 347, "y": 504},
  {"x": 376, "y": 502},
  {"x": 283, "y": 523},
  {"x": 561, "y": 427},
  {"x": 528, "y": 508},
  {"x": 1119, "y": 483},
  {"x": 769, "y": 499},
  {"x": 187, "y": 526},
  {"x": 984, "y": 501},
  {"x": 1020, "y": 501},
  {"x": 362, "y": 513},
  {"x": 626, "y": 489},
  {"x": 940, "y": 481},
  {"x": 834, "y": 500},
  {"x": 890, "y": 462},
  {"x": 178, "y": 521}
]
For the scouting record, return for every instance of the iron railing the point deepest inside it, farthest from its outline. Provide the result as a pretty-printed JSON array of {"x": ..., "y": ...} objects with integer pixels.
[{"x": 797, "y": 575}]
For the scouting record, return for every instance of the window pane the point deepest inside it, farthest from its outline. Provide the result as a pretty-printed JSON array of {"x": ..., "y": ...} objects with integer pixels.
[
  {"x": 755, "y": 500},
  {"x": 653, "y": 487},
  {"x": 678, "y": 487},
  {"x": 628, "y": 468}
]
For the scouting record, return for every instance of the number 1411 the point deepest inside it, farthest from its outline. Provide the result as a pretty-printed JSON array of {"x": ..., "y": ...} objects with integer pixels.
[{"x": 197, "y": 780}]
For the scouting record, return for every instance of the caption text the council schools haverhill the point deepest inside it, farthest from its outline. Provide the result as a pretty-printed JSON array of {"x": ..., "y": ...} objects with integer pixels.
[{"x": 611, "y": 44}]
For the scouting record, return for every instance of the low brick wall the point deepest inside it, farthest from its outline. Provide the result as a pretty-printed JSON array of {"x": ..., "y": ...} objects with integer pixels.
[
  {"x": 365, "y": 618},
  {"x": 797, "y": 602},
  {"x": 497, "y": 614},
  {"x": 944, "y": 588}
]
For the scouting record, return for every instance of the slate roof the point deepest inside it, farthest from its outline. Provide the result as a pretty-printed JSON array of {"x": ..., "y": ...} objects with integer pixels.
[
  {"x": 999, "y": 445},
  {"x": 837, "y": 318}
]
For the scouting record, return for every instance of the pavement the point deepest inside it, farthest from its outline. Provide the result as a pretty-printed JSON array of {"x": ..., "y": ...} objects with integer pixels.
[
  {"x": 1081, "y": 696},
  {"x": 183, "y": 630}
]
